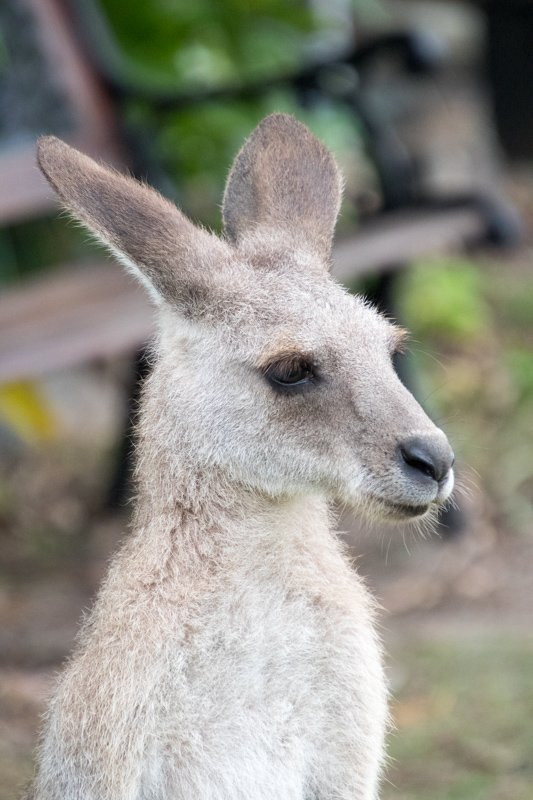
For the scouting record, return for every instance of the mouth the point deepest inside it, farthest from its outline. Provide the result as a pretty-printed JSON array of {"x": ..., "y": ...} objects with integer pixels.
[
  {"x": 382, "y": 503},
  {"x": 402, "y": 511},
  {"x": 398, "y": 512}
]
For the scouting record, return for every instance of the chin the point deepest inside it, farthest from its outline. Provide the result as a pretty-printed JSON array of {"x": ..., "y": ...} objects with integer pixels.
[
  {"x": 402, "y": 512},
  {"x": 380, "y": 509},
  {"x": 376, "y": 506}
]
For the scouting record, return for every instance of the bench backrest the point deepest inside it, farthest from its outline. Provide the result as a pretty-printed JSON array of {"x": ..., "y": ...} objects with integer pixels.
[{"x": 60, "y": 94}]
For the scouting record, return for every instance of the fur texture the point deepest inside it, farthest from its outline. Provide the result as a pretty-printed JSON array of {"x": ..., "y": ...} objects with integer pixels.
[{"x": 231, "y": 653}]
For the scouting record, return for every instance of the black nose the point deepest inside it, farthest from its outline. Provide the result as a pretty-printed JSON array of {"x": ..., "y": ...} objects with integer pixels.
[{"x": 429, "y": 456}]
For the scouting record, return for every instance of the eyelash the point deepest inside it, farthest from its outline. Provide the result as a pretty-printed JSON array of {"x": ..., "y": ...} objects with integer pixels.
[{"x": 292, "y": 375}]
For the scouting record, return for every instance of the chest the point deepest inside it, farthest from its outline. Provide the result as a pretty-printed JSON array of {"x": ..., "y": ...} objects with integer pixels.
[
  {"x": 261, "y": 674},
  {"x": 264, "y": 660}
]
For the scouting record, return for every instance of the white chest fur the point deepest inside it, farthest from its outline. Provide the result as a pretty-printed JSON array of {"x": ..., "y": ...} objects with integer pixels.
[
  {"x": 280, "y": 695},
  {"x": 259, "y": 677}
]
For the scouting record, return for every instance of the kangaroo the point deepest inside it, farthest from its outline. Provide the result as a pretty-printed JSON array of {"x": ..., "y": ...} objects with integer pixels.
[{"x": 232, "y": 653}]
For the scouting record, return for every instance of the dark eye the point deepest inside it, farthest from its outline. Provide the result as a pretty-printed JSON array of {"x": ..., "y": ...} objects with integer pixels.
[{"x": 291, "y": 375}]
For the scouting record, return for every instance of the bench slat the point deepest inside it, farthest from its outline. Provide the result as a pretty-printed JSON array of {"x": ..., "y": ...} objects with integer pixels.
[
  {"x": 97, "y": 311},
  {"x": 398, "y": 239},
  {"x": 91, "y": 312}
]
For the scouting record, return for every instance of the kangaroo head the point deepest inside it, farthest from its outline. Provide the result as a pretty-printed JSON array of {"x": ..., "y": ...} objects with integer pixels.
[{"x": 266, "y": 368}]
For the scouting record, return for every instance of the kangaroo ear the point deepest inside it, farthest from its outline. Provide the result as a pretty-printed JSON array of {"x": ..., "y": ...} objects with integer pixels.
[
  {"x": 146, "y": 232},
  {"x": 284, "y": 179}
]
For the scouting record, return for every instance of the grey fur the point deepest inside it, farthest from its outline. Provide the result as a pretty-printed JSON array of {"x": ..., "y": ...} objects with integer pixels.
[{"x": 232, "y": 653}]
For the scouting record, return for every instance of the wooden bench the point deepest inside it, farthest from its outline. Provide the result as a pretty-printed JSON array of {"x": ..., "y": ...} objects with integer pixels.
[
  {"x": 24, "y": 194},
  {"x": 95, "y": 311}
]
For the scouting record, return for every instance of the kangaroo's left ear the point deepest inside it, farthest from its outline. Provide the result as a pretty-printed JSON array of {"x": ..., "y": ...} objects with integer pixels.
[
  {"x": 177, "y": 261},
  {"x": 287, "y": 181}
]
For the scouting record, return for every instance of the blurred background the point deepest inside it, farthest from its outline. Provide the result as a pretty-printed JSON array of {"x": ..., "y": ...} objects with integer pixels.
[{"x": 428, "y": 107}]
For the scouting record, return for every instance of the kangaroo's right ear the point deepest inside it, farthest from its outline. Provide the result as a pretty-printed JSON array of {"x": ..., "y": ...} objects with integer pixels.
[
  {"x": 284, "y": 179},
  {"x": 173, "y": 257}
]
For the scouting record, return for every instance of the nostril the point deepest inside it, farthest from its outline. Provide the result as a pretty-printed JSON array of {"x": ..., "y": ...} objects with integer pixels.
[
  {"x": 420, "y": 463},
  {"x": 428, "y": 456}
]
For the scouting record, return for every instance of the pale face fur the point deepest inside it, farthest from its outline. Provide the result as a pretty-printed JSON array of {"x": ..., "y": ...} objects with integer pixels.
[
  {"x": 337, "y": 438},
  {"x": 228, "y": 308},
  {"x": 231, "y": 653}
]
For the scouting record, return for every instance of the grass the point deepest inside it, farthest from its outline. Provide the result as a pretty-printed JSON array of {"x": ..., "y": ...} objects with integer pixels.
[{"x": 464, "y": 721}]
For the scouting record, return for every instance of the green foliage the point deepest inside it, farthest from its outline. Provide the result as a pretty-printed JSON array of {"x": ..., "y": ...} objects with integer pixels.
[
  {"x": 198, "y": 145},
  {"x": 442, "y": 298},
  {"x": 208, "y": 42},
  {"x": 511, "y": 294},
  {"x": 186, "y": 44},
  {"x": 39, "y": 245},
  {"x": 520, "y": 364},
  {"x": 476, "y": 325}
]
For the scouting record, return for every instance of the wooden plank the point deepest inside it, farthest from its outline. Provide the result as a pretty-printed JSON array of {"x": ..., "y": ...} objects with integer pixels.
[
  {"x": 59, "y": 290},
  {"x": 24, "y": 192},
  {"x": 97, "y": 311},
  {"x": 73, "y": 316},
  {"x": 91, "y": 106},
  {"x": 394, "y": 240}
]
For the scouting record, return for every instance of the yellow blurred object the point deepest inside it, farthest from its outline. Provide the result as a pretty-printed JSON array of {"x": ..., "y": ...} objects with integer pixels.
[{"x": 24, "y": 409}]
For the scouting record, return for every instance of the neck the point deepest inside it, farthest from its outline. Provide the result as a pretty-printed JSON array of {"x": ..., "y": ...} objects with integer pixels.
[
  {"x": 196, "y": 521},
  {"x": 191, "y": 496}
]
